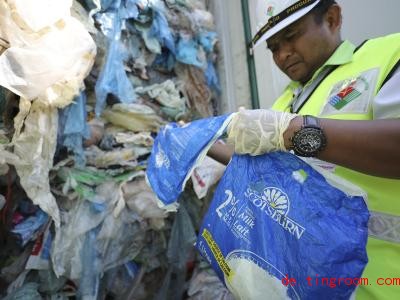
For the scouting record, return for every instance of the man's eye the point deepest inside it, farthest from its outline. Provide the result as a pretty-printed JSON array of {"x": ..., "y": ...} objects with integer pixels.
[
  {"x": 290, "y": 36},
  {"x": 272, "y": 48}
]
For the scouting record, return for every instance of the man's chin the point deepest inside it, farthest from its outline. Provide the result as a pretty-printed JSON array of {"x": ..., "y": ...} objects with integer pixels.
[{"x": 297, "y": 76}]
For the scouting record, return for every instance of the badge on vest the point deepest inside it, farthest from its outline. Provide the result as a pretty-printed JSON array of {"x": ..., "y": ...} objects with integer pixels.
[{"x": 352, "y": 95}]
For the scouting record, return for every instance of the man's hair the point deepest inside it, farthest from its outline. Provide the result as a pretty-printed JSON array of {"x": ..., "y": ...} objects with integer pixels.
[{"x": 320, "y": 9}]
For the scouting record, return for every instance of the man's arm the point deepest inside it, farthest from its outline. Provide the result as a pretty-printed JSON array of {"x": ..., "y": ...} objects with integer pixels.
[
  {"x": 371, "y": 147},
  {"x": 221, "y": 152}
]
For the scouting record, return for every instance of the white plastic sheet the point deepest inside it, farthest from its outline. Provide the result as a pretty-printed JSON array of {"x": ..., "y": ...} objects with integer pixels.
[
  {"x": 47, "y": 47},
  {"x": 35, "y": 146}
]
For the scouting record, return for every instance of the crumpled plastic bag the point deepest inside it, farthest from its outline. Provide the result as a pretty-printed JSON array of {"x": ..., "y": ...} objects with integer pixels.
[
  {"x": 189, "y": 52},
  {"x": 160, "y": 28},
  {"x": 142, "y": 200},
  {"x": 134, "y": 116},
  {"x": 34, "y": 145},
  {"x": 28, "y": 228},
  {"x": 179, "y": 245},
  {"x": 95, "y": 237},
  {"x": 212, "y": 77},
  {"x": 177, "y": 151},
  {"x": 207, "y": 40},
  {"x": 194, "y": 88},
  {"x": 113, "y": 78},
  {"x": 167, "y": 95},
  {"x": 28, "y": 291},
  {"x": 282, "y": 219},
  {"x": 141, "y": 138},
  {"x": 73, "y": 127},
  {"x": 47, "y": 47},
  {"x": 205, "y": 284}
]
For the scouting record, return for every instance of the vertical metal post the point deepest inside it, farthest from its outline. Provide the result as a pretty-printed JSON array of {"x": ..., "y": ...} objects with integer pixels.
[{"x": 255, "y": 103}]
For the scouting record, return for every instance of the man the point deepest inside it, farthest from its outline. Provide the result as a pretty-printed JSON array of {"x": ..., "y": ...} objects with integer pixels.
[{"x": 355, "y": 93}]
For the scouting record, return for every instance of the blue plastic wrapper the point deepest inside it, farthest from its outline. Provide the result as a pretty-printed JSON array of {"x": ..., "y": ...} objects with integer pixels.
[
  {"x": 177, "y": 150},
  {"x": 276, "y": 227},
  {"x": 160, "y": 29},
  {"x": 73, "y": 128},
  {"x": 212, "y": 77},
  {"x": 187, "y": 52},
  {"x": 129, "y": 9},
  {"x": 113, "y": 78},
  {"x": 27, "y": 228},
  {"x": 207, "y": 39}
]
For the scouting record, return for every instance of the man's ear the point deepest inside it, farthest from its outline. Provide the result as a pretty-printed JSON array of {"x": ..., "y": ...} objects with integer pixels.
[{"x": 333, "y": 17}]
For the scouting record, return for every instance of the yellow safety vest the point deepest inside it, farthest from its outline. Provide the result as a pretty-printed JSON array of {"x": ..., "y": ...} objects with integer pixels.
[{"x": 354, "y": 85}]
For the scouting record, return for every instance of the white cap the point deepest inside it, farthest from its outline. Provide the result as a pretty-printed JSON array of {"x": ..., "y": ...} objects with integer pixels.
[{"x": 274, "y": 15}]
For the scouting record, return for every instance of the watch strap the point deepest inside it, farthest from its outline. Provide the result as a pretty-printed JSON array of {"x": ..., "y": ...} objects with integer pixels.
[{"x": 310, "y": 121}]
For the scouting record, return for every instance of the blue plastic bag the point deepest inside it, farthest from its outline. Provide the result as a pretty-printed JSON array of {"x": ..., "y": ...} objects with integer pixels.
[
  {"x": 73, "y": 128},
  {"x": 160, "y": 29},
  {"x": 177, "y": 150},
  {"x": 276, "y": 228},
  {"x": 113, "y": 78},
  {"x": 187, "y": 51}
]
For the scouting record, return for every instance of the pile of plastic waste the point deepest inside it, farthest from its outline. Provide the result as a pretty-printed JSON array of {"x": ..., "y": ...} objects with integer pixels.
[{"x": 84, "y": 88}]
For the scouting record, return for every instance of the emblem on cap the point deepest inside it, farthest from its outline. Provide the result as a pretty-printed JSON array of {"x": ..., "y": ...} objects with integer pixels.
[{"x": 270, "y": 11}]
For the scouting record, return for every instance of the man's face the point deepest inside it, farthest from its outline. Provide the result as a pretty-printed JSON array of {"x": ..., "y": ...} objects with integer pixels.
[{"x": 303, "y": 47}]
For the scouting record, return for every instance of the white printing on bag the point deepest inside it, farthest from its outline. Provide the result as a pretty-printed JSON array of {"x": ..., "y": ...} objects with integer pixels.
[{"x": 352, "y": 95}]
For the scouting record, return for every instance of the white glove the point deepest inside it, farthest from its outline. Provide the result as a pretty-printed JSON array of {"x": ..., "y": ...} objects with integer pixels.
[{"x": 258, "y": 131}]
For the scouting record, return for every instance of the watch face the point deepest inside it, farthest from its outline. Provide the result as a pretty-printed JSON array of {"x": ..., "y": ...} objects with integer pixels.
[{"x": 308, "y": 141}]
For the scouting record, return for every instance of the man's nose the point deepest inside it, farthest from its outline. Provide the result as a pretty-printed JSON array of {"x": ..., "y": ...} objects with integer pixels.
[{"x": 285, "y": 51}]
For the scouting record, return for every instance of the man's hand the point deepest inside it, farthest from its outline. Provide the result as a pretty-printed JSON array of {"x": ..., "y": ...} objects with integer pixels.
[{"x": 258, "y": 131}]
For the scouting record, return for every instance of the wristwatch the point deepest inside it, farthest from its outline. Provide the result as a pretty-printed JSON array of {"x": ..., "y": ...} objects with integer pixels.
[{"x": 310, "y": 139}]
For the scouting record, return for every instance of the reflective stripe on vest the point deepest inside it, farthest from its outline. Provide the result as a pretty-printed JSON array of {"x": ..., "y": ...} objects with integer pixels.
[{"x": 384, "y": 227}]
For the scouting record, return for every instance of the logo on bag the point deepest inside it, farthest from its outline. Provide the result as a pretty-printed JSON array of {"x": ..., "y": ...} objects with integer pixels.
[
  {"x": 351, "y": 91},
  {"x": 275, "y": 203},
  {"x": 161, "y": 158}
]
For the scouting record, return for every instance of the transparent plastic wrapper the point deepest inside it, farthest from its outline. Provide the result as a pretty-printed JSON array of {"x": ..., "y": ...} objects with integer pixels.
[
  {"x": 29, "y": 291},
  {"x": 202, "y": 19},
  {"x": 165, "y": 93},
  {"x": 205, "y": 284},
  {"x": 141, "y": 138},
  {"x": 49, "y": 54},
  {"x": 142, "y": 200},
  {"x": 34, "y": 145},
  {"x": 121, "y": 279},
  {"x": 96, "y": 234},
  {"x": 40, "y": 255},
  {"x": 280, "y": 221},
  {"x": 181, "y": 241},
  {"x": 51, "y": 284},
  {"x": 103, "y": 159},
  {"x": 135, "y": 117},
  {"x": 177, "y": 150},
  {"x": 195, "y": 89}
]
